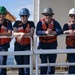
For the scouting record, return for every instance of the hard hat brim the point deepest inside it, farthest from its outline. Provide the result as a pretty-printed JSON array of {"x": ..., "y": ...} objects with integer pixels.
[
  {"x": 23, "y": 14},
  {"x": 3, "y": 12},
  {"x": 47, "y": 13}
]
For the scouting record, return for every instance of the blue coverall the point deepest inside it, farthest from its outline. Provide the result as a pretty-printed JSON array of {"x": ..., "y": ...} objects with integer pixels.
[
  {"x": 70, "y": 56},
  {"x": 51, "y": 57},
  {"x": 22, "y": 59}
]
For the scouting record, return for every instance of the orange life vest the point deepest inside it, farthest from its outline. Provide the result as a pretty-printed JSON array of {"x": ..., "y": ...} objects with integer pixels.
[
  {"x": 70, "y": 40},
  {"x": 3, "y": 29},
  {"x": 48, "y": 39},
  {"x": 24, "y": 41}
]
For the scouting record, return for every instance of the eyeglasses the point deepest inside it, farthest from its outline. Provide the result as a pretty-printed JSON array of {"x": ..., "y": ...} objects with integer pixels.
[
  {"x": 72, "y": 16},
  {"x": 23, "y": 15}
]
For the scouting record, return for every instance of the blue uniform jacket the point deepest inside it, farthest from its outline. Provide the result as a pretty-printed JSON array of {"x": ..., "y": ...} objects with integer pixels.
[{"x": 40, "y": 32}]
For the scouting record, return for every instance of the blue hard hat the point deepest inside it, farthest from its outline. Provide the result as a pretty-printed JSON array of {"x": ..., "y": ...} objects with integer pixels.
[{"x": 24, "y": 11}]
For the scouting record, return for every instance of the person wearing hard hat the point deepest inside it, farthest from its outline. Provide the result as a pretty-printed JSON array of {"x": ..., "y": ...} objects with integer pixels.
[
  {"x": 5, "y": 30},
  {"x": 23, "y": 29},
  {"x": 69, "y": 28},
  {"x": 45, "y": 27}
]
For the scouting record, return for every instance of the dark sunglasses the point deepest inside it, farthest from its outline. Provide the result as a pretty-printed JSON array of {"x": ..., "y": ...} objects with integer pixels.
[
  {"x": 72, "y": 16},
  {"x": 23, "y": 15}
]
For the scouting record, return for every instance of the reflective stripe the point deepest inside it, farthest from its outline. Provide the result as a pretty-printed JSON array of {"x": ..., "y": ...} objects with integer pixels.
[
  {"x": 3, "y": 27},
  {"x": 20, "y": 28},
  {"x": 48, "y": 41}
]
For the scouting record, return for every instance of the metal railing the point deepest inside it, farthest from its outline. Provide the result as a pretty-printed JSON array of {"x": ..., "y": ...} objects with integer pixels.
[
  {"x": 56, "y": 51},
  {"x": 30, "y": 53},
  {"x": 37, "y": 52},
  {"x": 19, "y": 66},
  {"x": 52, "y": 51}
]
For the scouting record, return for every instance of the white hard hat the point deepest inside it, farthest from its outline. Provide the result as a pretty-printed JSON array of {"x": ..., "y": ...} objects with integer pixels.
[{"x": 72, "y": 11}]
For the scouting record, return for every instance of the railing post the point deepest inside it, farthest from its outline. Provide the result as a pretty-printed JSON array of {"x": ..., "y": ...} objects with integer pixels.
[
  {"x": 31, "y": 65},
  {"x": 36, "y": 59},
  {"x": 31, "y": 60},
  {"x": 37, "y": 69}
]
